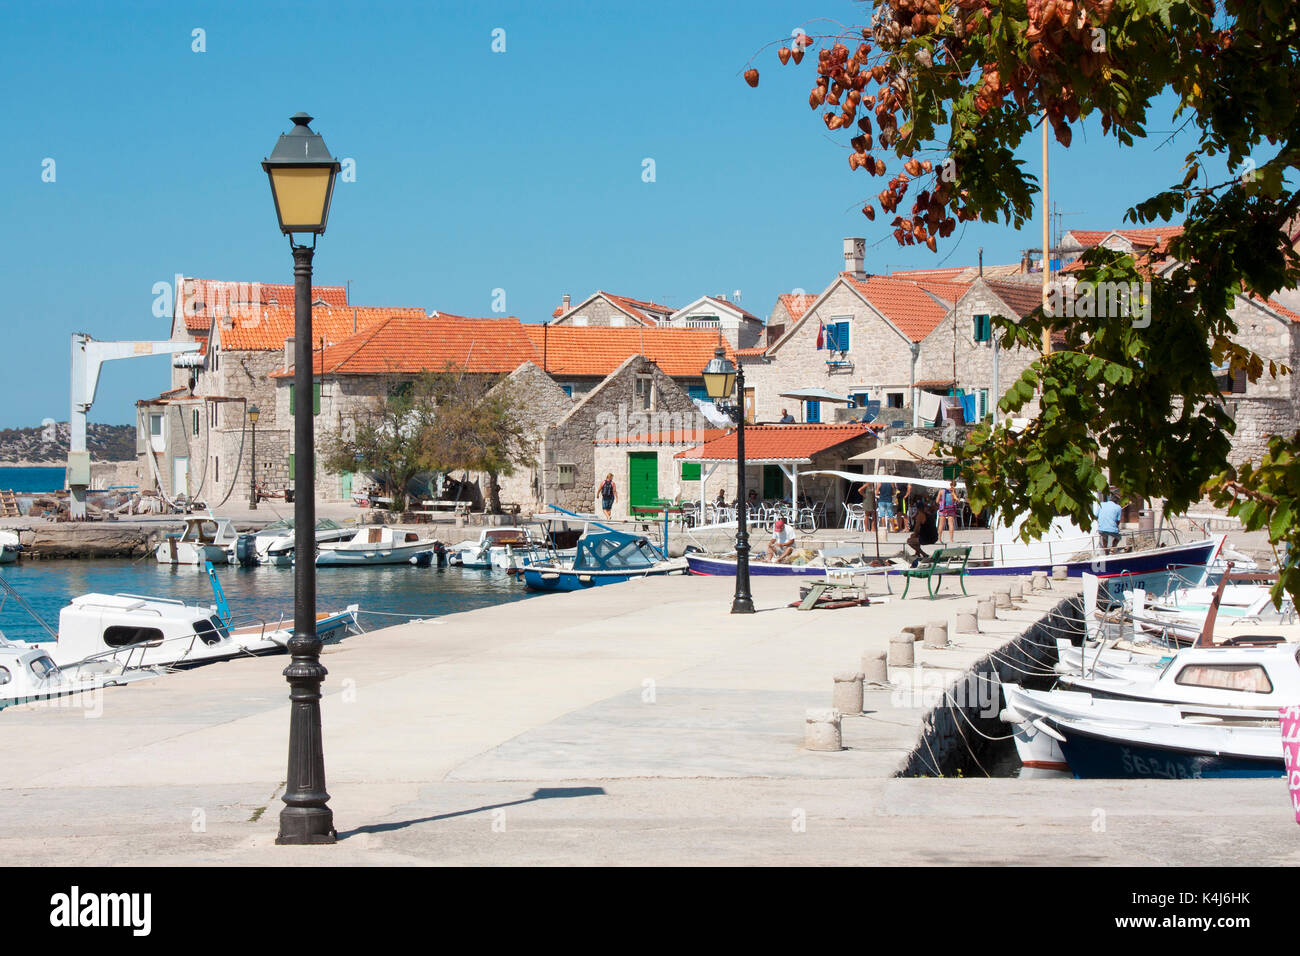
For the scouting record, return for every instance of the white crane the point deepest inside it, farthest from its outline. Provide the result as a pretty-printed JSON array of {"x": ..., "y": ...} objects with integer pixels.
[{"x": 87, "y": 358}]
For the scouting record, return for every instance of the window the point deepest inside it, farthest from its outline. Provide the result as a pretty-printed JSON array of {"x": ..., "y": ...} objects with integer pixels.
[
  {"x": 699, "y": 392},
  {"x": 43, "y": 667},
  {"x": 210, "y": 631},
  {"x": 568, "y": 390},
  {"x": 216, "y": 469},
  {"x": 859, "y": 399},
  {"x": 835, "y": 336},
  {"x": 645, "y": 390},
  {"x": 155, "y": 426},
  {"x": 812, "y": 411},
  {"x": 983, "y": 403},
  {"x": 894, "y": 399},
  {"x": 1233, "y": 383},
  {"x": 194, "y": 421},
  {"x": 983, "y": 330},
  {"x": 1250, "y": 678},
  {"x": 122, "y": 636},
  {"x": 690, "y": 471},
  {"x": 5, "y": 676},
  {"x": 315, "y": 399},
  {"x": 567, "y": 473}
]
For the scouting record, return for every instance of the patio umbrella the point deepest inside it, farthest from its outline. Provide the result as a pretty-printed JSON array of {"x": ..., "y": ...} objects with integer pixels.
[
  {"x": 911, "y": 448},
  {"x": 815, "y": 395}
]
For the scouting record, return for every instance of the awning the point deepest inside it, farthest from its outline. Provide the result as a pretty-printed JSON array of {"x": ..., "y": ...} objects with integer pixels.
[
  {"x": 815, "y": 395},
  {"x": 911, "y": 448}
]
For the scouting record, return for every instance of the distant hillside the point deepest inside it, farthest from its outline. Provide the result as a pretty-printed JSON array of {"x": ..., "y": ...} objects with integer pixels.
[{"x": 49, "y": 444}]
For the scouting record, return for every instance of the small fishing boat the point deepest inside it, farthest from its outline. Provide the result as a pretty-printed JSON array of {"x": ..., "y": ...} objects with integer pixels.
[
  {"x": 9, "y": 547},
  {"x": 204, "y": 538},
  {"x": 604, "y": 557},
  {"x": 28, "y": 673},
  {"x": 1100, "y": 737},
  {"x": 274, "y": 544},
  {"x": 376, "y": 545},
  {"x": 496, "y": 546}
]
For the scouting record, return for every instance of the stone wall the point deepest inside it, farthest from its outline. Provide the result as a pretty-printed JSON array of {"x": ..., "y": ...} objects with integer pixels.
[
  {"x": 599, "y": 311},
  {"x": 879, "y": 357},
  {"x": 610, "y": 411}
]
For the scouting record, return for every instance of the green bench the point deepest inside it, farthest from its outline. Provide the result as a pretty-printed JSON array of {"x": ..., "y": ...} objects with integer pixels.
[{"x": 942, "y": 561}]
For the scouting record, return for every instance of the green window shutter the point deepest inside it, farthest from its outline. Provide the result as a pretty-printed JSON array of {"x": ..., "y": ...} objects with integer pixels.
[
  {"x": 292, "y": 406},
  {"x": 690, "y": 471},
  {"x": 983, "y": 329},
  {"x": 291, "y": 466},
  {"x": 315, "y": 399}
]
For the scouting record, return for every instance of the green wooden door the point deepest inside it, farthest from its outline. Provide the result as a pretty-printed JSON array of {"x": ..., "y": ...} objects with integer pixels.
[
  {"x": 773, "y": 482},
  {"x": 345, "y": 485},
  {"x": 642, "y": 478}
]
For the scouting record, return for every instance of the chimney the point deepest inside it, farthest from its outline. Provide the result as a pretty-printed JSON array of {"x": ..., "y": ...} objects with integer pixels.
[
  {"x": 735, "y": 297},
  {"x": 564, "y": 302},
  {"x": 855, "y": 254},
  {"x": 721, "y": 297},
  {"x": 288, "y": 354},
  {"x": 227, "y": 321}
]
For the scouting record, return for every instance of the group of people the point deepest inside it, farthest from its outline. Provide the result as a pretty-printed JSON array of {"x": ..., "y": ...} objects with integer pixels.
[{"x": 896, "y": 506}]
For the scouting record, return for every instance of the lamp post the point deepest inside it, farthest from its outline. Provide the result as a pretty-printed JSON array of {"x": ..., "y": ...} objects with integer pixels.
[
  {"x": 253, "y": 415},
  {"x": 721, "y": 381},
  {"x": 302, "y": 174}
]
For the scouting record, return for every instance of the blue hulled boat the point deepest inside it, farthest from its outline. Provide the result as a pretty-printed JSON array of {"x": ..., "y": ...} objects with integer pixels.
[{"x": 606, "y": 557}]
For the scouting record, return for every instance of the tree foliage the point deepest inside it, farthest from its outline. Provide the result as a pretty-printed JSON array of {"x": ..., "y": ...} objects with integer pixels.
[
  {"x": 443, "y": 420},
  {"x": 936, "y": 97}
]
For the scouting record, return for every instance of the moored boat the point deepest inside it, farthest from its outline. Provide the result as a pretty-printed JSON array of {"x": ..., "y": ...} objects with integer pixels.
[
  {"x": 604, "y": 557},
  {"x": 375, "y": 545}
]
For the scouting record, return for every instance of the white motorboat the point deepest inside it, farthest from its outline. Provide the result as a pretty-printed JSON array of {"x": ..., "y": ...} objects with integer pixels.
[
  {"x": 274, "y": 544},
  {"x": 1101, "y": 737},
  {"x": 497, "y": 548},
  {"x": 204, "y": 538},
  {"x": 28, "y": 673},
  {"x": 375, "y": 545},
  {"x": 137, "y": 631},
  {"x": 9, "y": 547}
]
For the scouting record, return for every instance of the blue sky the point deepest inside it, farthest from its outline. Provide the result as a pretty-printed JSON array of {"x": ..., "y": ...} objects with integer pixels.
[{"x": 475, "y": 170}]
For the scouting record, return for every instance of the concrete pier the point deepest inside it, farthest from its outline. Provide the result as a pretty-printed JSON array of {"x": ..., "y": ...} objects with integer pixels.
[{"x": 636, "y": 723}]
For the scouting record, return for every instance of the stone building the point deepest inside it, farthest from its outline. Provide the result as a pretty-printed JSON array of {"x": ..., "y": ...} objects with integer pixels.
[
  {"x": 636, "y": 398},
  {"x": 245, "y": 331},
  {"x": 614, "y": 311},
  {"x": 860, "y": 339}
]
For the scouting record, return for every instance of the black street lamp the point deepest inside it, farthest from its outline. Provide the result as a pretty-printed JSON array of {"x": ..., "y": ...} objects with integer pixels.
[
  {"x": 721, "y": 380},
  {"x": 253, "y": 415},
  {"x": 302, "y": 174}
]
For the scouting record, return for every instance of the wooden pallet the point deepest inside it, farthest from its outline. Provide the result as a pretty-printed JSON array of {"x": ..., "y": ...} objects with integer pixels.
[{"x": 9, "y": 505}]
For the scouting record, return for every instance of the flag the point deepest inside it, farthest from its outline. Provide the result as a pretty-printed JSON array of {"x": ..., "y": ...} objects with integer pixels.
[{"x": 821, "y": 332}]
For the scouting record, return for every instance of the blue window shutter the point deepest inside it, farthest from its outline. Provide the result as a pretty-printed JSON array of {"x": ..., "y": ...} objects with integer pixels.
[
  {"x": 812, "y": 411},
  {"x": 842, "y": 336}
]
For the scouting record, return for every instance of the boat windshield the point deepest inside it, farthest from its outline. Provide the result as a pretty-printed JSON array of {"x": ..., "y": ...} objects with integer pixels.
[
  {"x": 614, "y": 552},
  {"x": 43, "y": 666}
]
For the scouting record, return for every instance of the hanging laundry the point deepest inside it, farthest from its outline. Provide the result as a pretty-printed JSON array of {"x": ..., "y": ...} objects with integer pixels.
[{"x": 928, "y": 406}]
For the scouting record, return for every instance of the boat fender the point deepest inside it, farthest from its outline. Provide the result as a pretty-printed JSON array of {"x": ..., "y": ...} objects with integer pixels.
[
  {"x": 1054, "y": 734},
  {"x": 584, "y": 578},
  {"x": 1009, "y": 715}
]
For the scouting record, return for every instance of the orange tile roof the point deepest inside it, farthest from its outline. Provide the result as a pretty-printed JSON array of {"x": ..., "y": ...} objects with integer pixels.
[
  {"x": 598, "y": 350},
  {"x": 268, "y": 329},
  {"x": 1279, "y": 308},
  {"x": 217, "y": 294},
  {"x": 406, "y": 345},
  {"x": 1152, "y": 236},
  {"x": 796, "y": 304},
  {"x": 943, "y": 275},
  {"x": 733, "y": 305},
  {"x": 778, "y": 442},
  {"x": 638, "y": 308},
  {"x": 1023, "y": 297},
  {"x": 679, "y": 437},
  {"x": 906, "y": 304}
]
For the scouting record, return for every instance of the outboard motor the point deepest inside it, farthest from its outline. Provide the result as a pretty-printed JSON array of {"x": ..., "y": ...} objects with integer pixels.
[
  {"x": 246, "y": 550},
  {"x": 440, "y": 554}
]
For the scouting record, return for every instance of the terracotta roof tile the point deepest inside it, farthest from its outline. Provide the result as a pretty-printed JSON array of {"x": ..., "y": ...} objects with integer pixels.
[
  {"x": 217, "y": 296},
  {"x": 1021, "y": 296},
  {"x": 778, "y": 442},
  {"x": 1150, "y": 236},
  {"x": 906, "y": 304},
  {"x": 679, "y": 437},
  {"x": 598, "y": 350},
  {"x": 267, "y": 330},
  {"x": 797, "y": 303},
  {"x": 406, "y": 345}
]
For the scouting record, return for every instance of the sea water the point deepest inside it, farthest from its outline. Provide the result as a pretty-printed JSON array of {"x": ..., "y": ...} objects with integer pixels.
[
  {"x": 389, "y": 594},
  {"x": 34, "y": 480}
]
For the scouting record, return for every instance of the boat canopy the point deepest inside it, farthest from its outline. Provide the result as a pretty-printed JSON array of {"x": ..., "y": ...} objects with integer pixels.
[{"x": 614, "y": 551}]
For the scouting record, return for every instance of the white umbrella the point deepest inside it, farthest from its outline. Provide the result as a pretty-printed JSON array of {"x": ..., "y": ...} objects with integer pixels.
[
  {"x": 815, "y": 395},
  {"x": 911, "y": 448}
]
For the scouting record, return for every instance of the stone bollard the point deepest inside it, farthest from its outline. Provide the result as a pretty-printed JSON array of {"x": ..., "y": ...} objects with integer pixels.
[
  {"x": 984, "y": 610},
  {"x": 1059, "y": 572},
  {"x": 936, "y": 634},
  {"x": 916, "y": 630},
  {"x": 821, "y": 730},
  {"x": 967, "y": 622},
  {"x": 874, "y": 668},
  {"x": 902, "y": 650},
  {"x": 847, "y": 694},
  {"x": 1002, "y": 598},
  {"x": 1016, "y": 591},
  {"x": 1038, "y": 581}
]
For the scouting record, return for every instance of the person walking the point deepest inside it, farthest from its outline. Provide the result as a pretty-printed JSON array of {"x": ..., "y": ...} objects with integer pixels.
[
  {"x": 608, "y": 494},
  {"x": 946, "y": 500}
]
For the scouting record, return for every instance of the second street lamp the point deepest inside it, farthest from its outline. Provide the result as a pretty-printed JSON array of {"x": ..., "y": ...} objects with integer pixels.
[
  {"x": 253, "y": 415},
  {"x": 302, "y": 174},
  {"x": 722, "y": 380}
]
